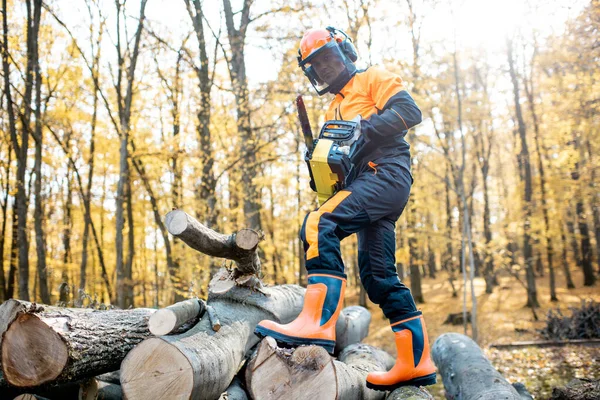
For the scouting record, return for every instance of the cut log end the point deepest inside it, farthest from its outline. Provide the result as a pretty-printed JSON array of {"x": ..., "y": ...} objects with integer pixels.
[
  {"x": 247, "y": 239},
  {"x": 32, "y": 352},
  {"x": 162, "y": 322},
  {"x": 170, "y": 372},
  {"x": 308, "y": 373},
  {"x": 176, "y": 222}
]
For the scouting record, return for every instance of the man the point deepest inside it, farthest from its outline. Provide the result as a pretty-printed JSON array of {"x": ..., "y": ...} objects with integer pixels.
[{"x": 375, "y": 195}]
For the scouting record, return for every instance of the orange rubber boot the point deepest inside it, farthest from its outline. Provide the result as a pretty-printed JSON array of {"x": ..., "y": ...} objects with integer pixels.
[
  {"x": 413, "y": 365},
  {"x": 315, "y": 325}
]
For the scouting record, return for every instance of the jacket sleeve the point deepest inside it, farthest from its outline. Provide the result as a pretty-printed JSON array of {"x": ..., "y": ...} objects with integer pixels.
[{"x": 397, "y": 111}]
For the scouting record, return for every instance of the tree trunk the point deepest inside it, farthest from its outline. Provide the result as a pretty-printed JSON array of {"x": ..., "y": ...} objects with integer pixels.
[
  {"x": 3, "y": 289},
  {"x": 309, "y": 372},
  {"x": 573, "y": 237},
  {"x": 88, "y": 191},
  {"x": 524, "y": 162},
  {"x": 33, "y": 23},
  {"x": 129, "y": 284},
  {"x": 201, "y": 363},
  {"x": 448, "y": 264},
  {"x": 547, "y": 234},
  {"x": 565, "y": 260},
  {"x": 239, "y": 81},
  {"x": 123, "y": 291},
  {"x": 487, "y": 233},
  {"x": 586, "y": 248},
  {"x": 45, "y": 344},
  {"x": 431, "y": 259},
  {"x": 415, "y": 273},
  {"x": 17, "y": 149},
  {"x": 466, "y": 372},
  {"x": 595, "y": 201},
  {"x": 207, "y": 191},
  {"x": 40, "y": 239}
]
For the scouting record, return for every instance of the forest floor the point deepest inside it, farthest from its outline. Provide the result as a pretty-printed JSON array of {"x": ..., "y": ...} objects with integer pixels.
[{"x": 503, "y": 318}]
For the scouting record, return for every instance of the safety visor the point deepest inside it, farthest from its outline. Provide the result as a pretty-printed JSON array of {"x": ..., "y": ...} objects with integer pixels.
[{"x": 323, "y": 66}]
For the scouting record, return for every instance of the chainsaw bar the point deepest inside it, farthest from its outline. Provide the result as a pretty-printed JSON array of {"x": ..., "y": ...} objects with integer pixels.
[{"x": 305, "y": 123}]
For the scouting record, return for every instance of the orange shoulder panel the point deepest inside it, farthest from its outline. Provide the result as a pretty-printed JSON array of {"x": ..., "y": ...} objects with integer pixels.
[{"x": 382, "y": 85}]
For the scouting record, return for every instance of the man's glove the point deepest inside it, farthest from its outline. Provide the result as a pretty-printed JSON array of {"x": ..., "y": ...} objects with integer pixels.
[{"x": 356, "y": 135}]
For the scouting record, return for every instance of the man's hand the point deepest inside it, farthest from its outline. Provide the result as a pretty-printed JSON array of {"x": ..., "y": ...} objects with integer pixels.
[{"x": 356, "y": 135}]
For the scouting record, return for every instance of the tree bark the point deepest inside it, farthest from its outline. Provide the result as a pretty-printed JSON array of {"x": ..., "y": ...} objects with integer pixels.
[
  {"x": 310, "y": 372},
  {"x": 248, "y": 140},
  {"x": 415, "y": 273},
  {"x": 352, "y": 327},
  {"x": 201, "y": 363},
  {"x": 466, "y": 372},
  {"x": 410, "y": 393},
  {"x": 240, "y": 247},
  {"x": 45, "y": 344},
  {"x": 167, "y": 320},
  {"x": 33, "y": 23},
  {"x": 3, "y": 289},
  {"x": 571, "y": 219},
  {"x": 124, "y": 294},
  {"x": 586, "y": 248},
  {"x": 565, "y": 260},
  {"x": 595, "y": 200},
  {"x": 206, "y": 193},
  {"x": 524, "y": 162},
  {"x": 547, "y": 234},
  {"x": 40, "y": 237},
  {"x": 88, "y": 191}
]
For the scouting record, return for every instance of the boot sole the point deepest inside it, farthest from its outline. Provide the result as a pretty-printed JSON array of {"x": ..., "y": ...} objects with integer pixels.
[
  {"x": 293, "y": 341},
  {"x": 420, "y": 381}
]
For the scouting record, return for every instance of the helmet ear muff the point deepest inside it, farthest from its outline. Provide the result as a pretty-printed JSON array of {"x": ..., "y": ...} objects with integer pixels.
[
  {"x": 349, "y": 50},
  {"x": 345, "y": 43}
]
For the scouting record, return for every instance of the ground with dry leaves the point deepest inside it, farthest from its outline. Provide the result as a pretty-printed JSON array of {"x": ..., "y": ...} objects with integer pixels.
[{"x": 502, "y": 318}]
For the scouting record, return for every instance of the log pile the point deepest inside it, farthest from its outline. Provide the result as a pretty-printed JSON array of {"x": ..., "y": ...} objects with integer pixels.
[
  {"x": 193, "y": 349},
  {"x": 53, "y": 345}
]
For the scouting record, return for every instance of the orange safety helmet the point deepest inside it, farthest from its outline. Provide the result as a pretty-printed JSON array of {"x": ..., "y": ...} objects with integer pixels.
[{"x": 334, "y": 46}]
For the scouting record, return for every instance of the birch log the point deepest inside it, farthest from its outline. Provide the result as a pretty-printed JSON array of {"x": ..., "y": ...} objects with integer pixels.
[
  {"x": 309, "y": 372},
  {"x": 168, "y": 319},
  {"x": 201, "y": 363},
  {"x": 410, "y": 393},
  {"x": 44, "y": 344},
  {"x": 352, "y": 327},
  {"x": 466, "y": 372},
  {"x": 239, "y": 247}
]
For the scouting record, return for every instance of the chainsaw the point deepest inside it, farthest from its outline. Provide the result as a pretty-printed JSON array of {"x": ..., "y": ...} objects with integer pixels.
[{"x": 328, "y": 162}]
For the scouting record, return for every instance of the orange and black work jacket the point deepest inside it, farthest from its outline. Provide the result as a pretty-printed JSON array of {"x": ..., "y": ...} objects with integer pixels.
[{"x": 387, "y": 111}]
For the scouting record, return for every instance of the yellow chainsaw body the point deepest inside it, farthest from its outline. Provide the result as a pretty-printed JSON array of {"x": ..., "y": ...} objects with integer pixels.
[{"x": 326, "y": 181}]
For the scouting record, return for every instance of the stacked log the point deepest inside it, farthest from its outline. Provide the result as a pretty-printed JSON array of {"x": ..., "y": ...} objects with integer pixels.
[
  {"x": 200, "y": 351},
  {"x": 53, "y": 345},
  {"x": 352, "y": 327},
  {"x": 467, "y": 373},
  {"x": 201, "y": 363}
]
